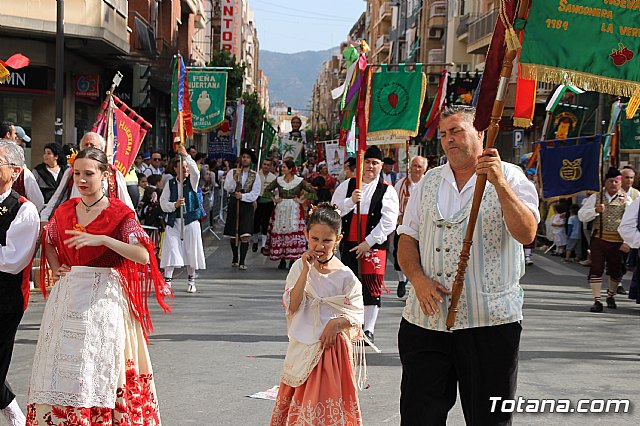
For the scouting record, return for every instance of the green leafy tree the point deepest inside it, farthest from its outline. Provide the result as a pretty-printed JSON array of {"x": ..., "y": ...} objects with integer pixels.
[
  {"x": 253, "y": 115},
  {"x": 223, "y": 58}
]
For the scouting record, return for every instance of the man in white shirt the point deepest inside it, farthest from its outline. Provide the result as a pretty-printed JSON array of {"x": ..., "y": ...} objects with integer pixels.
[
  {"x": 243, "y": 186},
  {"x": 630, "y": 233},
  {"x": 263, "y": 207},
  {"x": 404, "y": 187},
  {"x": 19, "y": 228},
  {"x": 378, "y": 219},
  {"x": 628, "y": 178},
  {"x": 114, "y": 187},
  {"x": 480, "y": 355},
  {"x": 607, "y": 246},
  {"x": 155, "y": 168}
]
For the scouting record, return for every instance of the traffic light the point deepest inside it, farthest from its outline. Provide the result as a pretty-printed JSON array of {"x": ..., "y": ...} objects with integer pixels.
[
  {"x": 141, "y": 96},
  {"x": 288, "y": 110}
]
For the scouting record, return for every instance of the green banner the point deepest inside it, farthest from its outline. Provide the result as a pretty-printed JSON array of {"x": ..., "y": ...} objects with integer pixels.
[
  {"x": 629, "y": 132},
  {"x": 566, "y": 122},
  {"x": 269, "y": 135},
  {"x": 396, "y": 99},
  {"x": 594, "y": 43},
  {"x": 208, "y": 90}
]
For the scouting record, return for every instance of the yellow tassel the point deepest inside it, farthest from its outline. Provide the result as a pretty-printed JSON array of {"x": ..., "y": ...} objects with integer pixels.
[
  {"x": 364, "y": 47},
  {"x": 633, "y": 104},
  {"x": 522, "y": 122},
  {"x": 514, "y": 38}
]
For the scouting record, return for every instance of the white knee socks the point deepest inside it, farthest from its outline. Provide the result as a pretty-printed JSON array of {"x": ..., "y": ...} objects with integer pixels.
[
  {"x": 168, "y": 271},
  {"x": 370, "y": 317},
  {"x": 401, "y": 276}
]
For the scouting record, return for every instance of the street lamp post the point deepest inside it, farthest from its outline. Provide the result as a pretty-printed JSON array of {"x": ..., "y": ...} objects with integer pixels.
[{"x": 59, "y": 127}]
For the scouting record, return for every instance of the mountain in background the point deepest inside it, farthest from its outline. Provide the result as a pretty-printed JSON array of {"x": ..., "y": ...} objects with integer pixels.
[{"x": 292, "y": 75}]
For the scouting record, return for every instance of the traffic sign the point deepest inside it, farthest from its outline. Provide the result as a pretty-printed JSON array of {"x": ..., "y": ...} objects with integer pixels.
[{"x": 518, "y": 138}]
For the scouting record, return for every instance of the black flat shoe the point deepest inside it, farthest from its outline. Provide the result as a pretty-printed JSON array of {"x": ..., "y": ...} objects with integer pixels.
[
  {"x": 402, "y": 289},
  {"x": 282, "y": 264},
  {"x": 369, "y": 336}
]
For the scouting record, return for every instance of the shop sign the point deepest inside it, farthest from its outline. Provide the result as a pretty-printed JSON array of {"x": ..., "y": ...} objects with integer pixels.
[{"x": 87, "y": 85}]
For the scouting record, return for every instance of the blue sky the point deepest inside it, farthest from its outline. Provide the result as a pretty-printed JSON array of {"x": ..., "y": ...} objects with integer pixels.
[{"x": 289, "y": 26}]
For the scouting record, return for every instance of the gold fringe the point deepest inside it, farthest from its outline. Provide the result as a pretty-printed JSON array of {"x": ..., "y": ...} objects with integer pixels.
[
  {"x": 522, "y": 122},
  {"x": 633, "y": 104},
  {"x": 594, "y": 82}
]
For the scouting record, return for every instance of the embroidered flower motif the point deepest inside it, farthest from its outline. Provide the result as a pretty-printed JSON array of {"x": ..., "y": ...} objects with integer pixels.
[
  {"x": 78, "y": 227},
  {"x": 372, "y": 257}
]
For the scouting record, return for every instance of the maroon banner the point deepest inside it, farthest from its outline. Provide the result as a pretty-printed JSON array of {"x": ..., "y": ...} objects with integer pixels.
[{"x": 131, "y": 132}]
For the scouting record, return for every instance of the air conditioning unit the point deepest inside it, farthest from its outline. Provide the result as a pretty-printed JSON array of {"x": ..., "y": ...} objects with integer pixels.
[{"x": 436, "y": 33}]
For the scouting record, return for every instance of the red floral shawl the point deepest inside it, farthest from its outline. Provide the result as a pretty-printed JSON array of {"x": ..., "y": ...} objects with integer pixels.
[{"x": 117, "y": 221}]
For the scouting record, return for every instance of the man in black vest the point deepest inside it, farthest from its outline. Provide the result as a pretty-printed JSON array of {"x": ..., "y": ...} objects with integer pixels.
[
  {"x": 19, "y": 227},
  {"x": 378, "y": 219},
  {"x": 243, "y": 186}
]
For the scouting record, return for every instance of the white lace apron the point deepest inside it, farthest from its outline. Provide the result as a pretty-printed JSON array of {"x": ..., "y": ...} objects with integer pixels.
[
  {"x": 287, "y": 212},
  {"x": 80, "y": 349}
]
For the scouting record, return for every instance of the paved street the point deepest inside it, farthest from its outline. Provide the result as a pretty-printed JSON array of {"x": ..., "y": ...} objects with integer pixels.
[{"x": 229, "y": 340}]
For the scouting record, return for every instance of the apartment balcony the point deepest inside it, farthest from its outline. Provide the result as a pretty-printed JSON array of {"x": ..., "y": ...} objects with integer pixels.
[
  {"x": 436, "y": 56},
  {"x": 97, "y": 27},
  {"x": 384, "y": 13},
  {"x": 382, "y": 43},
  {"x": 480, "y": 31},
  {"x": 462, "y": 30},
  {"x": 438, "y": 9},
  {"x": 543, "y": 91},
  {"x": 194, "y": 6}
]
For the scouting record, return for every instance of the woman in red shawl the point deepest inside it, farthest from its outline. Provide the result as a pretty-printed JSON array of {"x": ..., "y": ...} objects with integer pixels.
[{"x": 91, "y": 364}]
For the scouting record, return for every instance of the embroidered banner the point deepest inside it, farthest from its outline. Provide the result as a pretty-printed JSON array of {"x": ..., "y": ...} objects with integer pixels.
[
  {"x": 335, "y": 157},
  {"x": 629, "y": 132},
  {"x": 566, "y": 121},
  {"x": 591, "y": 43},
  {"x": 130, "y": 132},
  {"x": 396, "y": 100},
  {"x": 208, "y": 93},
  {"x": 569, "y": 170}
]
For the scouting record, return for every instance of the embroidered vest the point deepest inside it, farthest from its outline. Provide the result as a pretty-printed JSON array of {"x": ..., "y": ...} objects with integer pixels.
[
  {"x": 611, "y": 218},
  {"x": 375, "y": 211},
  {"x": 192, "y": 210},
  {"x": 492, "y": 294},
  {"x": 11, "y": 297},
  {"x": 248, "y": 185}
]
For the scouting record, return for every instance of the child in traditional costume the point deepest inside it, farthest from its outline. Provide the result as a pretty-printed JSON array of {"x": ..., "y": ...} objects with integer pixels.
[
  {"x": 323, "y": 302},
  {"x": 91, "y": 364},
  {"x": 182, "y": 250}
]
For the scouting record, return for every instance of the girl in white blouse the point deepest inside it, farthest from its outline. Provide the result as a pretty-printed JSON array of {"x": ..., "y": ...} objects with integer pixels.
[{"x": 324, "y": 310}]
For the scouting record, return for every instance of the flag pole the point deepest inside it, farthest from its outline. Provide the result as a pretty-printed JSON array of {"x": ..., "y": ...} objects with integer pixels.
[
  {"x": 180, "y": 142},
  {"x": 260, "y": 145},
  {"x": 362, "y": 142},
  {"x": 492, "y": 133},
  {"x": 105, "y": 105}
]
